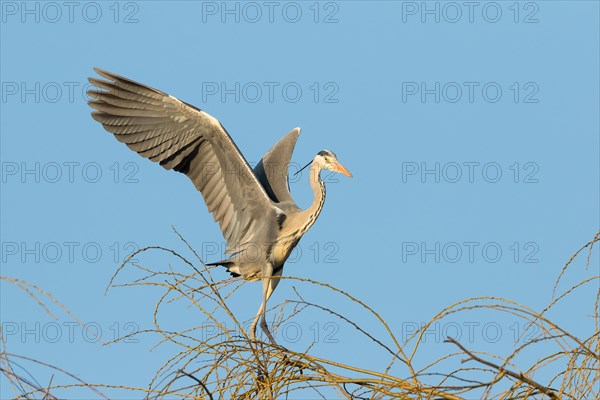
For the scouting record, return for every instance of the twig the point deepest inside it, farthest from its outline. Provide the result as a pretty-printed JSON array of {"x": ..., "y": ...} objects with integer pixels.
[
  {"x": 199, "y": 383},
  {"x": 546, "y": 390}
]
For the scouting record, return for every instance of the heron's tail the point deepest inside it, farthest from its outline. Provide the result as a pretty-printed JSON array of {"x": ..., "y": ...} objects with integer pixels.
[{"x": 231, "y": 266}]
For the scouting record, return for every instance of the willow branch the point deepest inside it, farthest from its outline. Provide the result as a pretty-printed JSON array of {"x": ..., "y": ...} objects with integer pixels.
[{"x": 517, "y": 375}]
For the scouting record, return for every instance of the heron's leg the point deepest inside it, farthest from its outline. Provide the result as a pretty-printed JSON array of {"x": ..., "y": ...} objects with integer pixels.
[
  {"x": 273, "y": 282},
  {"x": 261, "y": 309},
  {"x": 266, "y": 273}
]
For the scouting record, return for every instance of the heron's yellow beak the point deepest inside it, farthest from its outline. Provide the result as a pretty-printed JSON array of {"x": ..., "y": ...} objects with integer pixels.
[{"x": 338, "y": 167}]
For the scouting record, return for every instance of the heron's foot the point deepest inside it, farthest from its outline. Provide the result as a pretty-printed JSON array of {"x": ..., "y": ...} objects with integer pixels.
[
  {"x": 265, "y": 329},
  {"x": 287, "y": 360},
  {"x": 253, "y": 331}
]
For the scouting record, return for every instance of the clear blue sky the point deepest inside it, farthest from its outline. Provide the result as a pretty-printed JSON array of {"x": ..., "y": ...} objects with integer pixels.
[{"x": 472, "y": 134}]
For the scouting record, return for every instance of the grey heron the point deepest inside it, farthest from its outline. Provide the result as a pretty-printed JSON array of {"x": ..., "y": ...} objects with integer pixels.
[{"x": 259, "y": 220}]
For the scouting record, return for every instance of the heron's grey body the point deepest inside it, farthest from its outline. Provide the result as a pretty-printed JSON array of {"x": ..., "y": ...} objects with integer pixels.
[{"x": 259, "y": 220}]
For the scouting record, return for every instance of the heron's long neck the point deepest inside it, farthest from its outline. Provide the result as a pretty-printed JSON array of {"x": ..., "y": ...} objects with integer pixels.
[{"x": 318, "y": 186}]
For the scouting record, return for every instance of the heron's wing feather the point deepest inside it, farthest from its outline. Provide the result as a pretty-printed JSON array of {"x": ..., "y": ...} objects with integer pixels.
[
  {"x": 272, "y": 170},
  {"x": 184, "y": 138}
]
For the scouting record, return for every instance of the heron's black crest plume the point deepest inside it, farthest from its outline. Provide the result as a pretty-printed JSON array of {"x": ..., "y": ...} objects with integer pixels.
[{"x": 300, "y": 170}]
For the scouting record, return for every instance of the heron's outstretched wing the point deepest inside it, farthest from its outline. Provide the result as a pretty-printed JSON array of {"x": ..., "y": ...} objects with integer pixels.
[
  {"x": 186, "y": 139},
  {"x": 272, "y": 170}
]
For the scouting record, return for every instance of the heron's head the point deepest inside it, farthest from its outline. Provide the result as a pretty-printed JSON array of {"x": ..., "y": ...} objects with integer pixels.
[{"x": 326, "y": 159}]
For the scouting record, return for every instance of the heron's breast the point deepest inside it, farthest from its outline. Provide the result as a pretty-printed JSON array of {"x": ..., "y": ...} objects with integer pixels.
[{"x": 282, "y": 250}]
